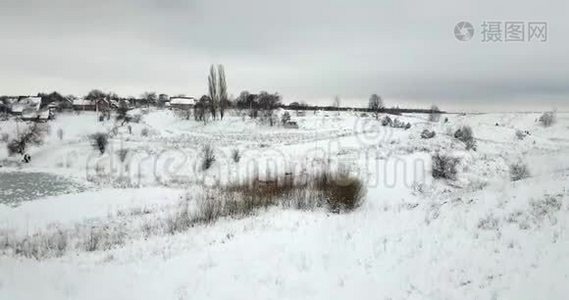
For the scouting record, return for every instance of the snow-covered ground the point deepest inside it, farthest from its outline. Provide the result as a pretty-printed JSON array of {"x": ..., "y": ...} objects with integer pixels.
[{"x": 480, "y": 236}]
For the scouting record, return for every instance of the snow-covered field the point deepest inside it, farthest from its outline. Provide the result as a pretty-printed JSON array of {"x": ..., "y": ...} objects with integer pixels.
[{"x": 481, "y": 236}]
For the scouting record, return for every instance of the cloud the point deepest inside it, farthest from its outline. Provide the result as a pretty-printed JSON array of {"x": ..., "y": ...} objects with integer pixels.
[{"x": 308, "y": 50}]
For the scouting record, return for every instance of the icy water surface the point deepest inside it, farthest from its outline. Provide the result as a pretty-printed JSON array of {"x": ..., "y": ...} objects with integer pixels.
[{"x": 16, "y": 187}]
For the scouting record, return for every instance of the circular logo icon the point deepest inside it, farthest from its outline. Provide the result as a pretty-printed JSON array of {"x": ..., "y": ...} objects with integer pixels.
[{"x": 463, "y": 31}]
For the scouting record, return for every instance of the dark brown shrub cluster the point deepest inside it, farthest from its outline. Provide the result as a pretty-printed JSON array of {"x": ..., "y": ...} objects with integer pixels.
[
  {"x": 100, "y": 141},
  {"x": 444, "y": 166}
]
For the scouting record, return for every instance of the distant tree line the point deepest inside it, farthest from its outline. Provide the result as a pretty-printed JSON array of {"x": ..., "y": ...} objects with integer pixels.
[{"x": 259, "y": 105}]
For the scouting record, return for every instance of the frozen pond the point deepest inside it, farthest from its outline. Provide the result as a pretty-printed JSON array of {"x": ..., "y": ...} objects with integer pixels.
[{"x": 16, "y": 187}]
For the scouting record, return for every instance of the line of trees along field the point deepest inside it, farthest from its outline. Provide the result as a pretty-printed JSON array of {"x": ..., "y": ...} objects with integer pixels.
[{"x": 214, "y": 105}]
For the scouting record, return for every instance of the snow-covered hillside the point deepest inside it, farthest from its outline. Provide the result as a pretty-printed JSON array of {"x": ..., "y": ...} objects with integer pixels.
[{"x": 480, "y": 236}]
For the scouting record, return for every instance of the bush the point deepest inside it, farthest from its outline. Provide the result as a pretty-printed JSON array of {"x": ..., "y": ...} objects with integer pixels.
[
  {"x": 465, "y": 135},
  {"x": 427, "y": 134},
  {"x": 545, "y": 207},
  {"x": 520, "y": 134},
  {"x": 444, "y": 166},
  {"x": 5, "y": 138},
  {"x": 122, "y": 111},
  {"x": 547, "y": 119},
  {"x": 123, "y": 153},
  {"x": 14, "y": 147},
  {"x": 136, "y": 118},
  {"x": 100, "y": 141},
  {"x": 285, "y": 118},
  {"x": 236, "y": 155},
  {"x": 267, "y": 117},
  {"x": 144, "y": 132},
  {"x": 519, "y": 171},
  {"x": 32, "y": 135},
  {"x": 208, "y": 157},
  {"x": 489, "y": 222},
  {"x": 343, "y": 193},
  {"x": 338, "y": 192},
  {"x": 435, "y": 114},
  {"x": 395, "y": 123}
]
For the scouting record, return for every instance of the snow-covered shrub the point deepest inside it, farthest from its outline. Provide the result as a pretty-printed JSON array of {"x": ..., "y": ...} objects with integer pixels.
[
  {"x": 181, "y": 220},
  {"x": 104, "y": 238},
  {"x": 144, "y": 132},
  {"x": 520, "y": 134},
  {"x": 122, "y": 153},
  {"x": 236, "y": 155},
  {"x": 545, "y": 207},
  {"x": 211, "y": 209},
  {"x": 395, "y": 123},
  {"x": 547, "y": 119},
  {"x": 33, "y": 135},
  {"x": 136, "y": 118},
  {"x": 267, "y": 117},
  {"x": 100, "y": 141},
  {"x": 427, "y": 134},
  {"x": 40, "y": 245},
  {"x": 285, "y": 118},
  {"x": 435, "y": 114},
  {"x": 334, "y": 191},
  {"x": 342, "y": 192},
  {"x": 122, "y": 111},
  {"x": 465, "y": 135},
  {"x": 519, "y": 171},
  {"x": 291, "y": 125},
  {"x": 208, "y": 157},
  {"x": 5, "y": 137},
  {"x": 444, "y": 166},
  {"x": 489, "y": 222}
]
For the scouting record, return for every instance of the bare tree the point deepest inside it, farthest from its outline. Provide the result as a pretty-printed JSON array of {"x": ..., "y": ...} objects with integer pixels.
[
  {"x": 122, "y": 111},
  {"x": 150, "y": 98},
  {"x": 222, "y": 91},
  {"x": 336, "y": 102},
  {"x": 95, "y": 95},
  {"x": 435, "y": 114},
  {"x": 268, "y": 103},
  {"x": 375, "y": 104},
  {"x": 201, "y": 107},
  {"x": 213, "y": 92}
]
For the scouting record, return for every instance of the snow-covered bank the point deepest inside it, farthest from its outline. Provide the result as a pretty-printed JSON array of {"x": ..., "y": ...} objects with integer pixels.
[{"x": 415, "y": 237}]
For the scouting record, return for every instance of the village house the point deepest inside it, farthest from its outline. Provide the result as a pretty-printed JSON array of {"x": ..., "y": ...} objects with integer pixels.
[
  {"x": 92, "y": 105},
  {"x": 26, "y": 106},
  {"x": 182, "y": 103},
  {"x": 40, "y": 115}
]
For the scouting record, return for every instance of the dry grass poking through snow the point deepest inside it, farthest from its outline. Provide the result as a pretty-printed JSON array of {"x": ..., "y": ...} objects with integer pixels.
[{"x": 336, "y": 192}]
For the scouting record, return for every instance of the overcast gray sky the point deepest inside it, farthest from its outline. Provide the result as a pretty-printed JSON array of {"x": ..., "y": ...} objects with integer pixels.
[{"x": 307, "y": 50}]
